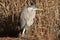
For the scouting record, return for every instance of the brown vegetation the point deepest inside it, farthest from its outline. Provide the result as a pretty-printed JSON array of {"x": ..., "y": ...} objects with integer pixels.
[{"x": 46, "y": 22}]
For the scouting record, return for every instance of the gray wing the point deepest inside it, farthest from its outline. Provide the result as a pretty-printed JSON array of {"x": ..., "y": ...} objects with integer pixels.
[{"x": 22, "y": 23}]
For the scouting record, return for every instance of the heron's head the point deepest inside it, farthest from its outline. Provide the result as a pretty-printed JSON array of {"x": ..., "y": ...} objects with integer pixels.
[{"x": 33, "y": 8}]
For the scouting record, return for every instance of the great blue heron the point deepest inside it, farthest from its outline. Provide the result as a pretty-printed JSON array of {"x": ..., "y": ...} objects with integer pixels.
[{"x": 26, "y": 18}]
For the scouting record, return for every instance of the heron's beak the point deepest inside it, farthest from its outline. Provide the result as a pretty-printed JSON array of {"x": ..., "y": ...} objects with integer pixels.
[{"x": 37, "y": 9}]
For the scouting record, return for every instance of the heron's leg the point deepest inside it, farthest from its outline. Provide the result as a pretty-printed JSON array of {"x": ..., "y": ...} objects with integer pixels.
[{"x": 23, "y": 33}]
